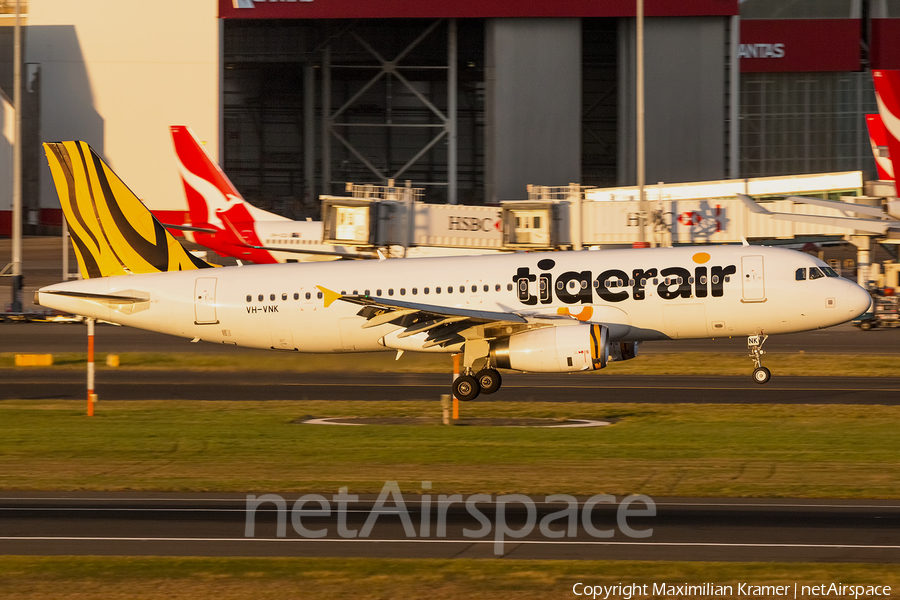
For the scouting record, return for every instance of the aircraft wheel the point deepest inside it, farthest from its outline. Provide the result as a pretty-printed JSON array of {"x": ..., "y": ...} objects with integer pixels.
[
  {"x": 865, "y": 325},
  {"x": 466, "y": 388},
  {"x": 761, "y": 375},
  {"x": 489, "y": 380}
]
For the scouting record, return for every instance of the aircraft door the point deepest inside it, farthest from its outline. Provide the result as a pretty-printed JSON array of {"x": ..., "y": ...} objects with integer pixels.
[
  {"x": 754, "y": 285},
  {"x": 205, "y": 301}
]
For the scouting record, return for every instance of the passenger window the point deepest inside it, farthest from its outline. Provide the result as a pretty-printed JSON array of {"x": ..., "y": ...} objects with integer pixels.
[
  {"x": 249, "y": 298},
  {"x": 367, "y": 293},
  {"x": 643, "y": 282},
  {"x": 449, "y": 289},
  {"x": 631, "y": 282},
  {"x": 283, "y": 297},
  {"x": 509, "y": 287},
  {"x": 319, "y": 295},
  {"x": 426, "y": 290},
  {"x": 261, "y": 297},
  {"x": 462, "y": 289},
  {"x": 487, "y": 288},
  {"x": 415, "y": 291},
  {"x": 402, "y": 291},
  {"x": 703, "y": 280},
  {"x": 355, "y": 292},
  {"x": 655, "y": 281},
  {"x": 437, "y": 290},
  {"x": 728, "y": 279},
  {"x": 272, "y": 297},
  {"x": 377, "y": 292},
  {"x": 815, "y": 273},
  {"x": 715, "y": 279},
  {"x": 390, "y": 291},
  {"x": 691, "y": 280},
  {"x": 296, "y": 296},
  {"x": 800, "y": 275},
  {"x": 308, "y": 296},
  {"x": 497, "y": 288},
  {"x": 474, "y": 288}
]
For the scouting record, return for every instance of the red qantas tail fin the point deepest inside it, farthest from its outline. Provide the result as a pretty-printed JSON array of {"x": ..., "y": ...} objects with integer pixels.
[
  {"x": 208, "y": 189},
  {"x": 887, "y": 93},
  {"x": 879, "y": 143}
]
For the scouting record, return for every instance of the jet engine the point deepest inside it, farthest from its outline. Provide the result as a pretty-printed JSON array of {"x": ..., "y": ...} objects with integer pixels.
[
  {"x": 623, "y": 350},
  {"x": 562, "y": 349}
]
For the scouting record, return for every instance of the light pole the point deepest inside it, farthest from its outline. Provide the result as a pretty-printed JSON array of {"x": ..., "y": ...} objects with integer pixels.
[
  {"x": 17, "y": 167},
  {"x": 641, "y": 175}
]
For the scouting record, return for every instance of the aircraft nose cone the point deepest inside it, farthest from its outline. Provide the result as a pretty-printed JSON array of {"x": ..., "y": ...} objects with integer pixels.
[{"x": 858, "y": 300}]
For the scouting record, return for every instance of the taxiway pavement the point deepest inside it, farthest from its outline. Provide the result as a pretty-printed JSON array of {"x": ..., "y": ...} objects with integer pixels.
[
  {"x": 43, "y": 384},
  {"x": 682, "y": 528}
]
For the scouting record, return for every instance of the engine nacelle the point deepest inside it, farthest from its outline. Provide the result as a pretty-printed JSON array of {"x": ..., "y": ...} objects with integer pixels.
[
  {"x": 562, "y": 349},
  {"x": 623, "y": 350}
]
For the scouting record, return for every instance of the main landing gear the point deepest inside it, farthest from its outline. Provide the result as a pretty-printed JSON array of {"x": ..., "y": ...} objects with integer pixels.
[
  {"x": 755, "y": 343},
  {"x": 486, "y": 381}
]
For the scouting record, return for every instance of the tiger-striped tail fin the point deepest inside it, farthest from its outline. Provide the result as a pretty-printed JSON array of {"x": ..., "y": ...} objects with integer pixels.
[{"x": 112, "y": 231}]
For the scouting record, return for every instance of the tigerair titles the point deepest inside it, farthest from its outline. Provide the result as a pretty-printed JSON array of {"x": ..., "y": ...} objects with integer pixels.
[{"x": 574, "y": 287}]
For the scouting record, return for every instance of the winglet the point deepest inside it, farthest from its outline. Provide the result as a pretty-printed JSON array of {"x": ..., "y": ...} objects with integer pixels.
[
  {"x": 753, "y": 206},
  {"x": 329, "y": 295}
]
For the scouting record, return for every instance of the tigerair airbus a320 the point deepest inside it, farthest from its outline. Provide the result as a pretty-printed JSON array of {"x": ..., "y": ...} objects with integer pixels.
[{"x": 540, "y": 312}]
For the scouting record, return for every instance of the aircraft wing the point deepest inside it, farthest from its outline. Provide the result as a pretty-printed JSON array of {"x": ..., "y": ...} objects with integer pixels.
[
  {"x": 444, "y": 326},
  {"x": 312, "y": 252},
  {"x": 870, "y": 225}
]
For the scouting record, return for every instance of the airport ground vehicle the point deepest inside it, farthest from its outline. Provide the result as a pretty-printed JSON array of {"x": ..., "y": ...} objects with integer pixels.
[{"x": 884, "y": 312}]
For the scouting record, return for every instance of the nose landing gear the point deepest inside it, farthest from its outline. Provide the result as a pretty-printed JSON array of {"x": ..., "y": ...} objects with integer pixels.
[{"x": 754, "y": 344}]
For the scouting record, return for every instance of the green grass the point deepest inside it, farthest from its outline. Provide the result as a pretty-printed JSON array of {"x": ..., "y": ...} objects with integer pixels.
[
  {"x": 683, "y": 363},
  {"x": 112, "y": 578},
  {"x": 823, "y": 451}
]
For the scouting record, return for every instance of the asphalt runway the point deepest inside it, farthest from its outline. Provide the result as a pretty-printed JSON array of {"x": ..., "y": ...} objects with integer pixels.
[
  {"x": 68, "y": 337},
  {"x": 682, "y": 529},
  {"x": 595, "y": 387}
]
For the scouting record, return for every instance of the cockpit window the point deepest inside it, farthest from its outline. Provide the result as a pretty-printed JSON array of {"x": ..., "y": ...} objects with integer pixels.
[
  {"x": 801, "y": 274},
  {"x": 815, "y": 273},
  {"x": 829, "y": 272}
]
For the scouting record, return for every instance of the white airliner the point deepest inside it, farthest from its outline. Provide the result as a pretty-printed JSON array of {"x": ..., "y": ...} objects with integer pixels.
[{"x": 543, "y": 312}]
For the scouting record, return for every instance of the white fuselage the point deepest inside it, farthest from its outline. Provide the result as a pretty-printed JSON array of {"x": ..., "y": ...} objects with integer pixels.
[{"x": 723, "y": 291}]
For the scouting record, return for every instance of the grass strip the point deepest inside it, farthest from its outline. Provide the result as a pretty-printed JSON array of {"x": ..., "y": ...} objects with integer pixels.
[
  {"x": 682, "y": 363},
  {"x": 800, "y": 451},
  {"x": 152, "y": 578}
]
